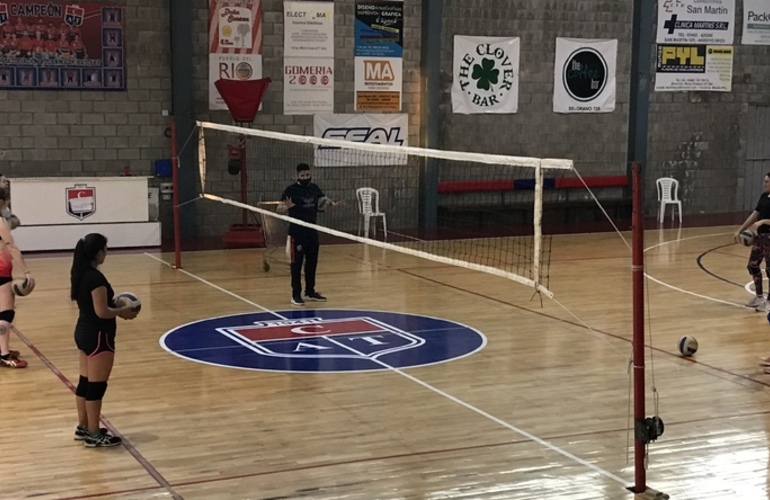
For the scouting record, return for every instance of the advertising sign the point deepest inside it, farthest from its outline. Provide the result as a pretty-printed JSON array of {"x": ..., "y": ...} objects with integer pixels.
[
  {"x": 235, "y": 44},
  {"x": 62, "y": 46},
  {"x": 696, "y": 22}
]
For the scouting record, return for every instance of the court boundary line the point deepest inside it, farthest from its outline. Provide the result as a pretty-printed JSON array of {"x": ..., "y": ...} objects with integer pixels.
[
  {"x": 438, "y": 391},
  {"x": 130, "y": 448}
]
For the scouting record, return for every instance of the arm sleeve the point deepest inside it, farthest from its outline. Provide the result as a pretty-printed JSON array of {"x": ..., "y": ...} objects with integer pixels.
[{"x": 94, "y": 280}]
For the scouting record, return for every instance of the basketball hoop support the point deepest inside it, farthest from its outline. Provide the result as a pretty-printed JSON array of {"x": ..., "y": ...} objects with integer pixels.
[{"x": 243, "y": 98}]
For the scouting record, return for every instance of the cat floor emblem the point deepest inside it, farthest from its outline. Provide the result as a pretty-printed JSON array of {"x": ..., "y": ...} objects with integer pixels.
[{"x": 323, "y": 340}]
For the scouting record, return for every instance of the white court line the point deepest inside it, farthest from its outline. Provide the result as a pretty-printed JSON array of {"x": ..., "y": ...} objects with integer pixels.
[
  {"x": 436, "y": 390},
  {"x": 681, "y": 290}
]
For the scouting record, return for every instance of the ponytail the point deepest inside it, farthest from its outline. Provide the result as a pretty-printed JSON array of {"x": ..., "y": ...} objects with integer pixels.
[{"x": 83, "y": 258}]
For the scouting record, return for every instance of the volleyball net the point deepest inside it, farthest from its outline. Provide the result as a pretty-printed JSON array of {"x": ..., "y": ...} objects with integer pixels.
[{"x": 477, "y": 211}]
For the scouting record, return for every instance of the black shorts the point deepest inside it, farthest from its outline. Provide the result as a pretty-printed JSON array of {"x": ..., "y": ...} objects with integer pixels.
[
  {"x": 93, "y": 341},
  {"x": 4, "y": 280}
]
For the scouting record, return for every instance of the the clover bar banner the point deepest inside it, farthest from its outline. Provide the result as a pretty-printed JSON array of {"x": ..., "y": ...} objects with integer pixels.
[
  {"x": 62, "y": 46},
  {"x": 584, "y": 75},
  {"x": 485, "y": 75}
]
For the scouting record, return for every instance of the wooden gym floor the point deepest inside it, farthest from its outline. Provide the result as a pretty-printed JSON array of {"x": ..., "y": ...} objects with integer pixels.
[{"x": 541, "y": 412}]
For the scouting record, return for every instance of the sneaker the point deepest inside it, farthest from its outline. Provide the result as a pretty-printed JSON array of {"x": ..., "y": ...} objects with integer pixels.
[
  {"x": 764, "y": 306},
  {"x": 14, "y": 354},
  {"x": 755, "y": 302},
  {"x": 13, "y": 363},
  {"x": 82, "y": 432},
  {"x": 315, "y": 296},
  {"x": 103, "y": 440},
  {"x": 297, "y": 301}
]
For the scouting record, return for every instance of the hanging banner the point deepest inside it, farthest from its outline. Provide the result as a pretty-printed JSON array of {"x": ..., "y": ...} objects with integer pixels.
[
  {"x": 756, "y": 22},
  {"x": 62, "y": 46},
  {"x": 687, "y": 22},
  {"x": 235, "y": 44},
  {"x": 392, "y": 129},
  {"x": 308, "y": 67},
  {"x": 694, "y": 67},
  {"x": 379, "y": 51},
  {"x": 308, "y": 86},
  {"x": 486, "y": 75},
  {"x": 308, "y": 29},
  {"x": 584, "y": 76}
]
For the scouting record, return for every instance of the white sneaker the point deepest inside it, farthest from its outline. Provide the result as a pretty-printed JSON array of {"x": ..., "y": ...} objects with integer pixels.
[
  {"x": 763, "y": 307},
  {"x": 755, "y": 302}
]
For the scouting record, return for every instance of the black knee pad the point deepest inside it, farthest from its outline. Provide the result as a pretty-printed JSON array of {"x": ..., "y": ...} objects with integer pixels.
[
  {"x": 95, "y": 391},
  {"x": 753, "y": 270},
  {"x": 7, "y": 315},
  {"x": 82, "y": 387}
]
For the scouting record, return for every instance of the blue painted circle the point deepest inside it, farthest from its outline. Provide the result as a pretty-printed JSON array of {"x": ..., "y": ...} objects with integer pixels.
[{"x": 322, "y": 340}]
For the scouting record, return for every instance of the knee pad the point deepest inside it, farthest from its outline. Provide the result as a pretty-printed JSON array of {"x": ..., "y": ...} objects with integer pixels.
[
  {"x": 95, "y": 391},
  {"x": 82, "y": 387},
  {"x": 7, "y": 315},
  {"x": 753, "y": 270}
]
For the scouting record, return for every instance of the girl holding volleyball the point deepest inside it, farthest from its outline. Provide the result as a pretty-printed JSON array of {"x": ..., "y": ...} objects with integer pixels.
[
  {"x": 94, "y": 336},
  {"x": 759, "y": 222}
]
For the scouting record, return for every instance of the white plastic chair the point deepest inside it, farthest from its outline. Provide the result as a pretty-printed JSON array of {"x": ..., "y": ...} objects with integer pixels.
[
  {"x": 369, "y": 207},
  {"x": 668, "y": 194}
]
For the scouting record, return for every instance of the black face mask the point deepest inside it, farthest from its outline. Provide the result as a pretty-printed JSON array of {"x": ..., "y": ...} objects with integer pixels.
[{"x": 304, "y": 182}]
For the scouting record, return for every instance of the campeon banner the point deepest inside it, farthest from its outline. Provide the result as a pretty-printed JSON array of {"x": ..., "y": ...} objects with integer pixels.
[
  {"x": 62, "y": 46},
  {"x": 486, "y": 74},
  {"x": 372, "y": 128},
  {"x": 584, "y": 76},
  {"x": 235, "y": 44}
]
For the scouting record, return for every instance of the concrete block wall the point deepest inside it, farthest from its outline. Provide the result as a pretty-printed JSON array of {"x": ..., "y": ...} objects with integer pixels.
[
  {"x": 696, "y": 137},
  {"x": 91, "y": 133}
]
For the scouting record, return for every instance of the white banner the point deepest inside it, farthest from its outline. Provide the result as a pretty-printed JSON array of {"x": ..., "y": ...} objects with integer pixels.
[
  {"x": 371, "y": 128},
  {"x": 696, "y": 22},
  {"x": 378, "y": 83},
  {"x": 756, "y": 22},
  {"x": 308, "y": 29},
  {"x": 584, "y": 76},
  {"x": 694, "y": 67},
  {"x": 308, "y": 86},
  {"x": 485, "y": 75},
  {"x": 235, "y": 44}
]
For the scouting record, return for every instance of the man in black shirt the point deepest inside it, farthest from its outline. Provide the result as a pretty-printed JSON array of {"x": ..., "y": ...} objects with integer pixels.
[{"x": 302, "y": 200}]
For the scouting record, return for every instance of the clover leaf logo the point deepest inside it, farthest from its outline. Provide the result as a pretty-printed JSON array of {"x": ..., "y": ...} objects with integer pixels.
[{"x": 485, "y": 74}]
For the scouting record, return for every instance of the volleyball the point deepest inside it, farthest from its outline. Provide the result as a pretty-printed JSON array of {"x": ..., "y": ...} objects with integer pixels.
[
  {"x": 688, "y": 346},
  {"x": 323, "y": 203},
  {"x": 22, "y": 287},
  {"x": 747, "y": 237},
  {"x": 125, "y": 298}
]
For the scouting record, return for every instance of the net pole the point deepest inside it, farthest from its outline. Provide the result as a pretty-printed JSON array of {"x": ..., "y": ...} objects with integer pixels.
[
  {"x": 175, "y": 197},
  {"x": 637, "y": 272},
  {"x": 537, "y": 221}
]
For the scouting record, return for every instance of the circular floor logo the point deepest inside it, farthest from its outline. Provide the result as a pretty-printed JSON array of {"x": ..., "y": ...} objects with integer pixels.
[
  {"x": 585, "y": 74},
  {"x": 322, "y": 340}
]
